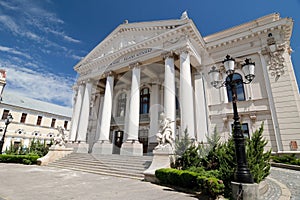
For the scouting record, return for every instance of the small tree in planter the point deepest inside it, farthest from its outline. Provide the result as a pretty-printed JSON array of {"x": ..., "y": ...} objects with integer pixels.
[{"x": 258, "y": 160}]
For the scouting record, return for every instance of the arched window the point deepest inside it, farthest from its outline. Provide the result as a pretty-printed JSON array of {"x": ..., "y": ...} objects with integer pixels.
[
  {"x": 145, "y": 101},
  {"x": 240, "y": 92},
  {"x": 121, "y": 105}
]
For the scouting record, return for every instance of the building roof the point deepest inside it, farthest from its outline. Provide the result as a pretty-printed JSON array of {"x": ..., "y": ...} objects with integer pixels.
[{"x": 33, "y": 104}]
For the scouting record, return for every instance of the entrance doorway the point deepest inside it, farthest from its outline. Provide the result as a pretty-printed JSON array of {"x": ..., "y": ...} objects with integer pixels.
[{"x": 118, "y": 140}]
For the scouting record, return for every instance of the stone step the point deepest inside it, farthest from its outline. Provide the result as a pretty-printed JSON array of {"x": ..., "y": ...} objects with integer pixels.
[
  {"x": 100, "y": 165},
  {"x": 113, "y": 165},
  {"x": 102, "y": 172}
]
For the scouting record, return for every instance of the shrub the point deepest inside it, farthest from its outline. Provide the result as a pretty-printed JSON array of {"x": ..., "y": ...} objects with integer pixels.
[
  {"x": 22, "y": 159},
  {"x": 287, "y": 159},
  {"x": 190, "y": 180}
]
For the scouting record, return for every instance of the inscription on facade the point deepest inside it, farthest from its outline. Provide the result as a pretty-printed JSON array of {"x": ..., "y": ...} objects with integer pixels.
[{"x": 128, "y": 57}]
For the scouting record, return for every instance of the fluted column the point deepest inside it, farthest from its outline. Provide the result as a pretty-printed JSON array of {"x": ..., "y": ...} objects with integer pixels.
[
  {"x": 186, "y": 95},
  {"x": 132, "y": 145},
  {"x": 76, "y": 113},
  {"x": 169, "y": 91},
  {"x": 134, "y": 107},
  {"x": 99, "y": 116},
  {"x": 154, "y": 110},
  {"x": 84, "y": 115},
  {"x": 103, "y": 145},
  {"x": 107, "y": 109}
]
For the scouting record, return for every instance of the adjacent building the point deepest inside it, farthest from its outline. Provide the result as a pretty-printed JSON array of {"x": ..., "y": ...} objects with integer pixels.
[
  {"x": 32, "y": 119},
  {"x": 144, "y": 69}
]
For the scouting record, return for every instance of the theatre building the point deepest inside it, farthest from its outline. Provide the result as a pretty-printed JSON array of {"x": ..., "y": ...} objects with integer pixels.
[{"x": 142, "y": 70}]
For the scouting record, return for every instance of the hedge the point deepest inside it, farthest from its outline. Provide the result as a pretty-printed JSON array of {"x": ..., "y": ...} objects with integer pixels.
[
  {"x": 23, "y": 159},
  {"x": 191, "y": 180}
]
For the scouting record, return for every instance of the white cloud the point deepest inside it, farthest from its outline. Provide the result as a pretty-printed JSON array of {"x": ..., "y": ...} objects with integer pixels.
[
  {"x": 9, "y": 23},
  {"x": 13, "y": 51},
  {"x": 44, "y": 86}
]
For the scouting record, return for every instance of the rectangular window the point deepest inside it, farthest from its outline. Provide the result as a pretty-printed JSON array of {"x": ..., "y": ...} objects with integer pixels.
[
  {"x": 5, "y": 113},
  {"x": 23, "y": 118},
  {"x": 39, "y": 120},
  {"x": 66, "y": 125},
  {"x": 53, "y": 123},
  {"x": 245, "y": 129}
]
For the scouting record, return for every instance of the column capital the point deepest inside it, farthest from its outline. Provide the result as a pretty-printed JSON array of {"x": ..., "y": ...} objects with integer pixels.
[
  {"x": 168, "y": 54},
  {"x": 134, "y": 65},
  {"x": 108, "y": 73},
  {"x": 185, "y": 49}
]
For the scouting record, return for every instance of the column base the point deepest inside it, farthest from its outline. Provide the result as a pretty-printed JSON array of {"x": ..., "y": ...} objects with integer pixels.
[
  {"x": 81, "y": 147},
  {"x": 250, "y": 191},
  {"x": 102, "y": 147},
  {"x": 130, "y": 148}
]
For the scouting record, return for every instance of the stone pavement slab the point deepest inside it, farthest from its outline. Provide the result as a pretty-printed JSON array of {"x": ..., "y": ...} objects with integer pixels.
[
  {"x": 23, "y": 182},
  {"x": 290, "y": 178}
]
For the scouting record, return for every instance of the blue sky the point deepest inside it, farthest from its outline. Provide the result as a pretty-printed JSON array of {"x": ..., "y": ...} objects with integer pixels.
[{"x": 41, "y": 40}]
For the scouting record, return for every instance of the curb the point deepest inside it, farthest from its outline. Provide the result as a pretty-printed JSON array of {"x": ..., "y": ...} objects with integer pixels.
[
  {"x": 285, "y": 166},
  {"x": 285, "y": 192}
]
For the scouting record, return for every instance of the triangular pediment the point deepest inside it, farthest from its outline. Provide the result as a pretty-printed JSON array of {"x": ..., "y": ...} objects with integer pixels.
[{"x": 130, "y": 34}]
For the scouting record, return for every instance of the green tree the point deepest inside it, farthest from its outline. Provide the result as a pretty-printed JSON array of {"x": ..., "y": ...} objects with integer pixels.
[{"x": 258, "y": 160}]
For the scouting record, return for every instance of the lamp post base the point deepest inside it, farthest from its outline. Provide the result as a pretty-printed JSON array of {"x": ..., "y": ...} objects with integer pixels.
[
  {"x": 243, "y": 176},
  {"x": 245, "y": 191}
]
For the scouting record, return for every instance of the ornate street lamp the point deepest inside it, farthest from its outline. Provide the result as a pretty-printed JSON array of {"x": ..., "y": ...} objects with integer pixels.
[
  {"x": 7, "y": 121},
  {"x": 242, "y": 173}
]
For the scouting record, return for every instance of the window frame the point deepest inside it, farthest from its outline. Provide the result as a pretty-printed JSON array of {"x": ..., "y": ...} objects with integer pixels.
[
  {"x": 5, "y": 114},
  {"x": 23, "y": 118},
  {"x": 39, "y": 120},
  {"x": 240, "y": 90},
  {"x": 53, "y": 123},
  {"x": 144, "y": 101},
  {"x": 121, "y": 104}
]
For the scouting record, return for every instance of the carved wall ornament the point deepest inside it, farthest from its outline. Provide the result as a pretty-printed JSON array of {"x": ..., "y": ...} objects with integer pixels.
[{"x": 277, "y": 61}]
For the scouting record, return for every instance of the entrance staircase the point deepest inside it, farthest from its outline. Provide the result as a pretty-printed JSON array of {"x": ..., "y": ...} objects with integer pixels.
[{"x": 112, "y": 165}]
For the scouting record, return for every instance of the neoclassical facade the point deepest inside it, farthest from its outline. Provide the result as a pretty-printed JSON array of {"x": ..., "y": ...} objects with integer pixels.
[{"x": 144, "y": 69}]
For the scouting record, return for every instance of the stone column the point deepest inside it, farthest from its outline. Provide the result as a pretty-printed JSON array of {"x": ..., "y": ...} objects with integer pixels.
[
  {"x": 104, "y": 146},
  {"x": 154, "y": 110},
  {"x": 84, "y": 115},
  {"x": 186, "y": 95},
  {"x": 99, "y": 115},
  {"x": 84, "y": 119},
  {"x": 76, "y": 113},
  {"x": 132, "y": 145},
  {"x": 201, "y": 109},
  {"x": 169, "y": 91}
]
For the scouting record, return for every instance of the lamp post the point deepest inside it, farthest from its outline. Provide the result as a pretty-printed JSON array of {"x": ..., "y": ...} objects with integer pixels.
[
  {"x": 242, "y": 173},
  {"x": 8, "y": 120}
]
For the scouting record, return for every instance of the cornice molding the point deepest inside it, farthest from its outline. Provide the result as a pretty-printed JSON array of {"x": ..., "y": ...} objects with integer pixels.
[{"x": 238, "y": 36}]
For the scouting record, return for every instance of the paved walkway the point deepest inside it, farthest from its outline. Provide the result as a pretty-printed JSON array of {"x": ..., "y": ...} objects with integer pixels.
[
  {"x": 290, "y": 178},
  {"x": 23, "y": 182}
]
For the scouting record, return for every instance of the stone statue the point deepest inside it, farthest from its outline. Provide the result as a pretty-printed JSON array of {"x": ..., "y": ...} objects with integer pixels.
[
  {"x": 165, "y": 133},
  {"x": 60, "y": 139}
]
